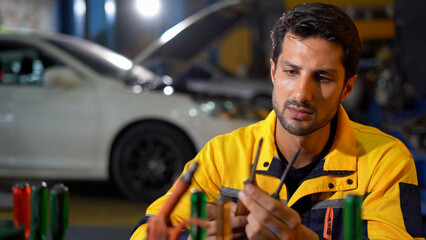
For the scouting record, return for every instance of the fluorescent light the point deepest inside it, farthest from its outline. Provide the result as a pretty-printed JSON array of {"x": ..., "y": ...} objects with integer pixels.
[
  {"x": 110, "y": 7},
  {"x": 80, "y": 7},
  {"x": 148, "y": 8}
]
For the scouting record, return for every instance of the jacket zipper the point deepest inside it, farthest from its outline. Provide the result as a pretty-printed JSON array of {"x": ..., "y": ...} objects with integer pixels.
[{"x": 328, "y": 223}]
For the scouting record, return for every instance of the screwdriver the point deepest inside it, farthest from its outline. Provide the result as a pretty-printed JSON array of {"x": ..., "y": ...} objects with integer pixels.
[
  {"x": 241, "y": 209},
  {"x": 39, "y": 199},
  {"x": 198, "y": 210},
  {"x": 59, "y": 198},
  {"x": 223, "y": 226},
  {"x": 158, "y": 224},
  {"x": 276, "y": 195},
  {"x": 21, "y": 205},
  {"x": 352, "y": 222}
]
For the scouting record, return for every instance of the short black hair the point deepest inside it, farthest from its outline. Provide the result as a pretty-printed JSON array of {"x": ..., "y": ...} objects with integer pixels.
[{"x": 324, "y": 21}]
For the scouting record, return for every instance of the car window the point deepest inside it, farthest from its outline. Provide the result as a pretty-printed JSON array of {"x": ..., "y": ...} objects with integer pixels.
[{"x": 22, "y": 64}]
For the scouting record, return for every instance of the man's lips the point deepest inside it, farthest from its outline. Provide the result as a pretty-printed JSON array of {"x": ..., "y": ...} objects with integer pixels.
[{"x": 300, "y": 113}]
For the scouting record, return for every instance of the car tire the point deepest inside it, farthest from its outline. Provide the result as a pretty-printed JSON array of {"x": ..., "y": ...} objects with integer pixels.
[{"x": 147, "y": 158}]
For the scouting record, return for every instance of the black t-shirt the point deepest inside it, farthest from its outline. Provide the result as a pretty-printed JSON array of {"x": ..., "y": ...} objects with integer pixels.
[{"x": 296, "y": 175}]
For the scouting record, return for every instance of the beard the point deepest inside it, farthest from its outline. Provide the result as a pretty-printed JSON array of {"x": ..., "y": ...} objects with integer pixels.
[{"x": 296, "y": 126}]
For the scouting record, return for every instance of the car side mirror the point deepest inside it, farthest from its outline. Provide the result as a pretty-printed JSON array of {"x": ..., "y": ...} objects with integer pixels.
[{"x": 61, "y": 76}]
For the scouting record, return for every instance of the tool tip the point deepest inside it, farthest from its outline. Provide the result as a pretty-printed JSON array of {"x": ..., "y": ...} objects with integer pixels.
[{"x": 187, "y": 177}]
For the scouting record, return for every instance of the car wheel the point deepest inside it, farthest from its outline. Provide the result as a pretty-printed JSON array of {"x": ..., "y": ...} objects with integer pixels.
[{"x": 147, "y": 158}]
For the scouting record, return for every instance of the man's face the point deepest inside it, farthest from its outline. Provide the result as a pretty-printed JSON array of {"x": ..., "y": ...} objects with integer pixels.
[{"x": 308, "y": 83}]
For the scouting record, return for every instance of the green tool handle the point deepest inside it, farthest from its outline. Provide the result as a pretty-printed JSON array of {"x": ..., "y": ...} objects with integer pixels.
[
  {"x": 353, "y": 225},
  {"x": 198, "y": 210},
  {"x": 59, "y": 196},
  {"x": 39, "y": 199}
]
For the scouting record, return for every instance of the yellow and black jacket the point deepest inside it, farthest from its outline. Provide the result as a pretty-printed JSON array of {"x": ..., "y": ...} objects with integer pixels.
[{"x": 362, "y": 161}]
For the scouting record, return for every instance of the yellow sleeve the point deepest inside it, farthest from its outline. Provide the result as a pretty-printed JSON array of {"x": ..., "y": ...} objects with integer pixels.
[
  {"x": 391, "y": 208},
  {"x": 140, "y": 233}
]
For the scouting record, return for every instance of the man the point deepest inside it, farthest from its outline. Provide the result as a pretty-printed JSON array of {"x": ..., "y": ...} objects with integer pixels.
[{"x": 316, "y": 49}]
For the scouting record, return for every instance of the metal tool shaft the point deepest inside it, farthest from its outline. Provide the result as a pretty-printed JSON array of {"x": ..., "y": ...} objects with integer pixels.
[
  {"x": 276, "y": 195},
  {"x": 241, "y": 209}
]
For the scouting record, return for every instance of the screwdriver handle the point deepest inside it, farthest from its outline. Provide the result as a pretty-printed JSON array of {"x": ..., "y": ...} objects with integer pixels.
[
  {"x": 39, "y": 199},
  {"x": 59, "y": 197},
  {"x": 223, "y": 226},
  {"x": 21, "y": 205},
  {"x": 198, "y": 211},
  {"x": 241, "y": 209},
  {"x": 352, "y": 221}
]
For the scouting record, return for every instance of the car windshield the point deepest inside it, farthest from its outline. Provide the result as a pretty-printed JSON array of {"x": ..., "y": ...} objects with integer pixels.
[{"x": 100, "y": 59}]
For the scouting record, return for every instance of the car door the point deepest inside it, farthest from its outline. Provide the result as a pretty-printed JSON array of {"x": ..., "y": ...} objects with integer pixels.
[
  {"x": 7, "y": 123},
  {"x": 49, "y": 125}
]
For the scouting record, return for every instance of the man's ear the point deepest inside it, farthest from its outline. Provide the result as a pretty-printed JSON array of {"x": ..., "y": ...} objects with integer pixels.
[
  {"x": 347, "y": 89},
  {"x": 272, "y": 71}
]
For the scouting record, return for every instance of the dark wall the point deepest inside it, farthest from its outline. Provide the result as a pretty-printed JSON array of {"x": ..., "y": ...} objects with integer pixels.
[{"x": 410, "y": 40}]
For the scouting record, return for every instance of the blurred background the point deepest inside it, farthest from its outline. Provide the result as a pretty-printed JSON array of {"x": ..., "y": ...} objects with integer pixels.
[{"x": 112, "y": 97}]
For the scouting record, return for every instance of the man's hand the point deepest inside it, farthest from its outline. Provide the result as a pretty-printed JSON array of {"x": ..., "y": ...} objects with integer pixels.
[
  {"x": 271, "y": 219},
  {"x": 238, "y": 223}
]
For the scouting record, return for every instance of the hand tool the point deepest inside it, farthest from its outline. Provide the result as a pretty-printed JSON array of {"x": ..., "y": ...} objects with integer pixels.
[
  {"x": 353, "y": 225},
  {"x": 59, "y": 211},
  {"x": 39, "y": 199},
  {"x": 21, "y": 205},
  {"x": 159, "y": 227},
  {"x": 241, "y": 209},
  {"x": 198, "y": 210},
  {"x": 223, "y": 226},
  {"x": 276, "y": 195}
]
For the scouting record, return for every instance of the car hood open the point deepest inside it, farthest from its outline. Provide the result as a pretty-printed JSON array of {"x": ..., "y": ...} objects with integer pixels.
[{"x": 176, "y": 49}]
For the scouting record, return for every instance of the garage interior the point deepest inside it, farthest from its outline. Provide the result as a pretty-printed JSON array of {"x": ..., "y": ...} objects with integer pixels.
[{"x": 390, "y": 92}]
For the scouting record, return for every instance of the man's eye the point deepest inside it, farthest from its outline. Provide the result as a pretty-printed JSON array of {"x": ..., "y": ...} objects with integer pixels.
[
  {"x": 323, "y": 79},
  {"x": 290, "y": 72}
]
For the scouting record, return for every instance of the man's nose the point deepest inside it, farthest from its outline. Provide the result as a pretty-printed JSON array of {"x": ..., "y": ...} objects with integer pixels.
[{"x": 303, "y": 88}]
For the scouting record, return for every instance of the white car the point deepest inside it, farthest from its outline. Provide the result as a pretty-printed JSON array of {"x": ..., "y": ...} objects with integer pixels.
[{"x": 71, "y": 109}]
